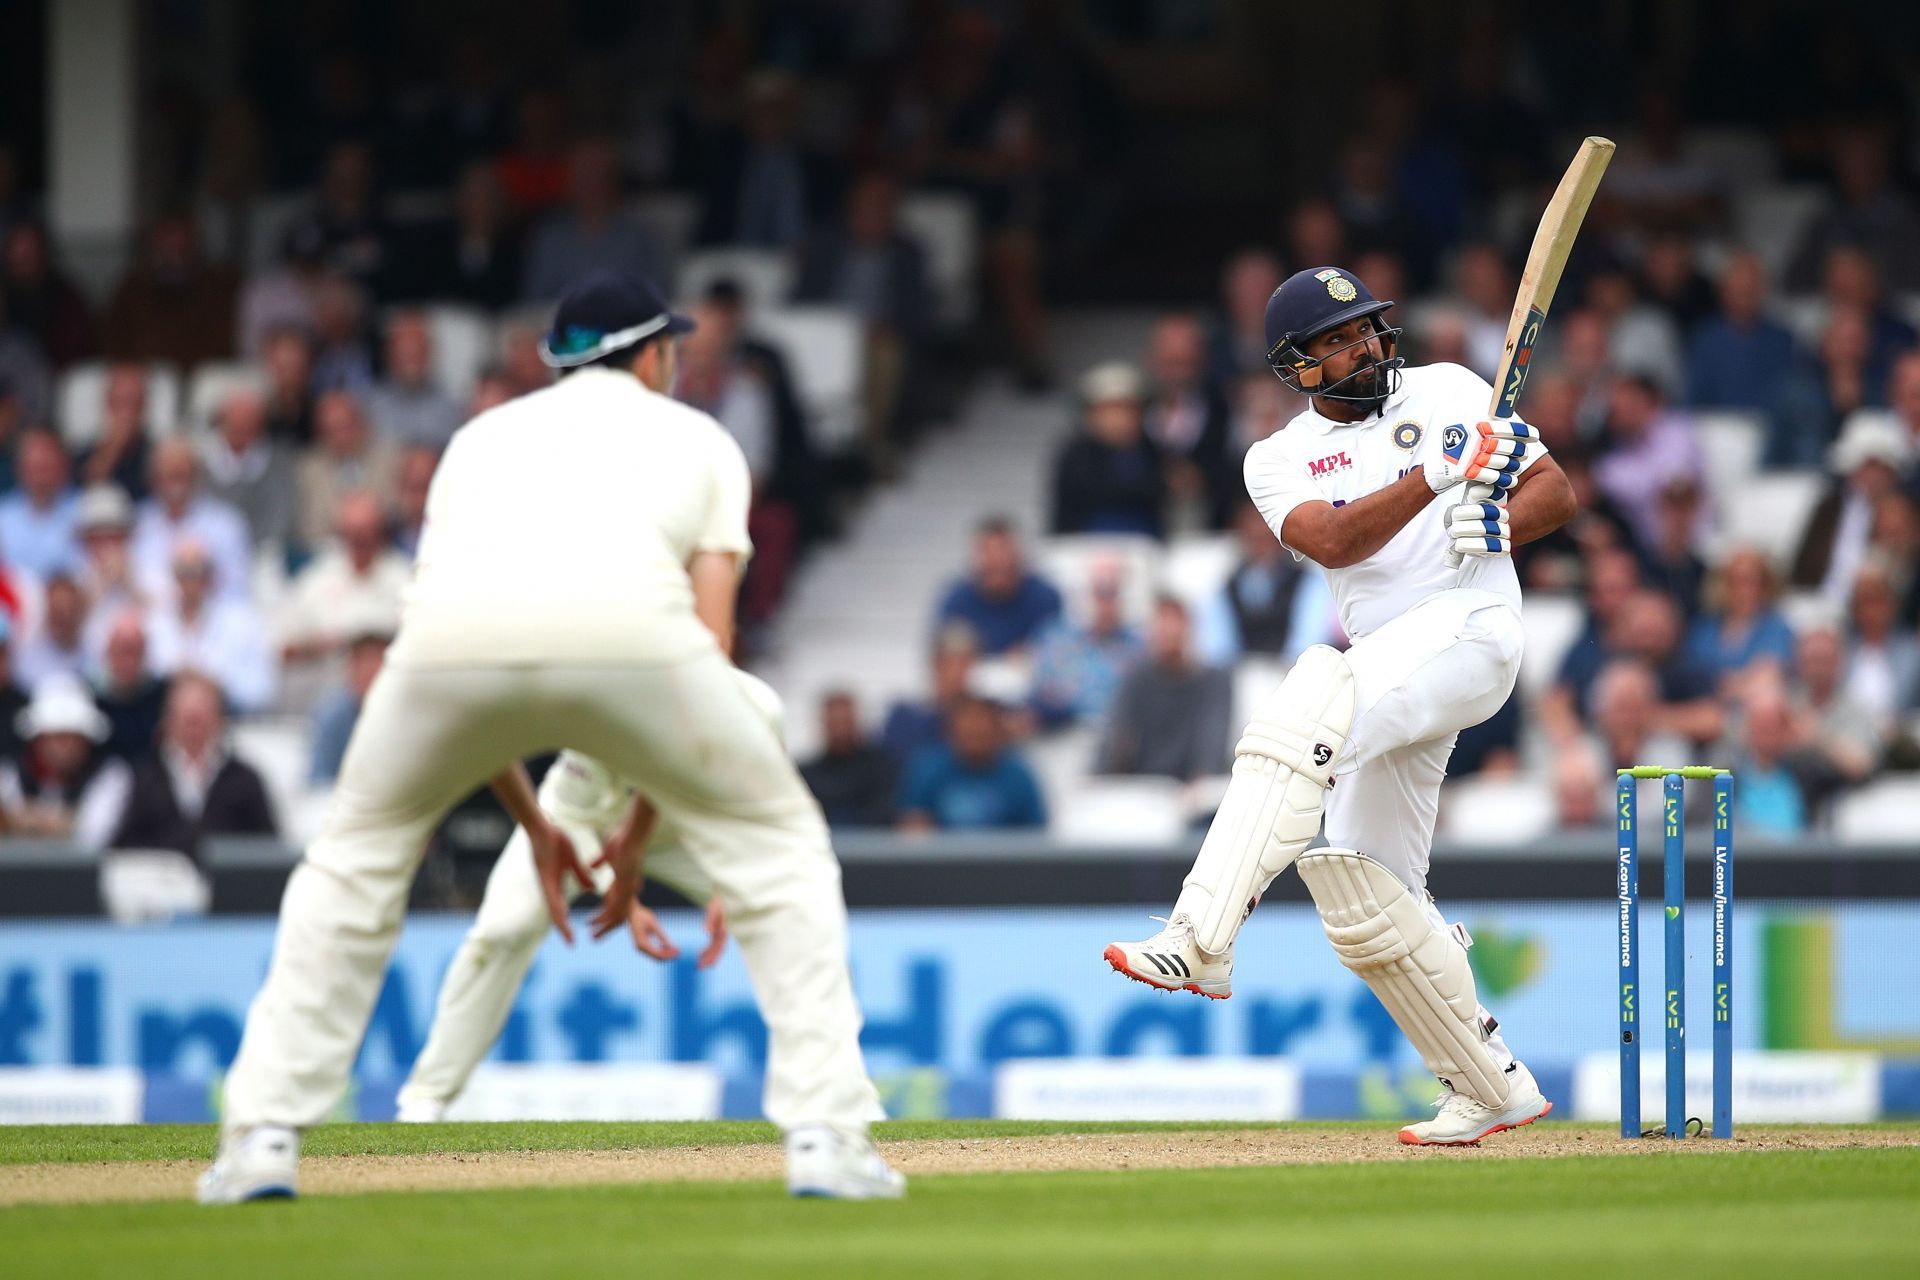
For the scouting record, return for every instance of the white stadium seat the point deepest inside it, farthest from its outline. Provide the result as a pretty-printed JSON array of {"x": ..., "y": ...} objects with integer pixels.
[
  {"x": 462, "y": 345},
  {"x": 1495, "y": 811},
  {"x": 1196, "y": 566},
  {"x": 1068, "y": 562},
  {"x": 279, "y": 748},
  {"x": 1806, "y": 316},
  {"x": 1551, "y": 623},
  {"x": 1770, "y": 512},
  {"x": 1732, "y": 440},
  {"x": 1880, "y": 811},
  {"x": 765, "y": 276},
  {"x": 147, "y": 886},
  {"x": 1772, "y": 219},
  {"x": 943, "y": 225},
  {"x": 826, "y": 350},
  {"x": 1128, "y": 810},
  {"x": 81, "y": 401},
  {"x": 1808, "y": 609},
  {"x": 210, "y": 385}
]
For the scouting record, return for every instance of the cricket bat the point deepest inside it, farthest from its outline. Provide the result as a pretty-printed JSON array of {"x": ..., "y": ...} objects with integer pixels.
[{"x": 1552, "y": 243}]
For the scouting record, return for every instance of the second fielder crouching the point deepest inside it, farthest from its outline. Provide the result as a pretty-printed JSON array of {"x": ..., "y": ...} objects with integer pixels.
[{"x": 588, "y": 803}]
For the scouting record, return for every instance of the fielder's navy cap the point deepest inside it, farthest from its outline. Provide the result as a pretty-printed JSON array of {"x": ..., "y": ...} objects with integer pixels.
[{"x": 604, "y": 312}]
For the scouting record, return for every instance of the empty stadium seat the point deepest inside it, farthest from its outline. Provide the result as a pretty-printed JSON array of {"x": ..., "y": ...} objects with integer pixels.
[
  {"x": 1495, "y": 811},
  {"x": 462, "y": 346},
  {"x": 1732, "y": 440},
  {"x": 1806, "y": 610},
  {"x": 1806, "y": 316},
  {"x": 142, "y": 886},
  {"x": 1128, "y": 810},
  {"x": 1197, "y": 566},
  {"x": 826, "y": 351},
  {"x": 279, "y": 748},
  {"x": 210, "y": 385},
  {"x": 1551, "y": 623},
  {"x": 765, "y": 276},
  {"x": 80, "y": 400},
  {"x": 943, "y": 225},
  {"x": 1254, "y": 682},
  {"x": 1880, "y": 811},
  {"x": 1771, "y": 220},
  {"x": 1068, "y": 562},
  {"x": 1770, "y": 512}
]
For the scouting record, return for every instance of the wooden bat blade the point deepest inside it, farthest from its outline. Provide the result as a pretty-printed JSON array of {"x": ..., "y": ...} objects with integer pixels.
[{"x": 1546, "y": 261}]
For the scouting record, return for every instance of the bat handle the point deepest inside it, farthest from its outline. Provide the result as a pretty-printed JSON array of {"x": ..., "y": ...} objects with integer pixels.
[{"x": 1476, "y": 492}]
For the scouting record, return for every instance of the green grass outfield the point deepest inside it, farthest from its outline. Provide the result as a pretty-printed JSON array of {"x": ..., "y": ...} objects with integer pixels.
[{"x": 1752, "y": 1213}]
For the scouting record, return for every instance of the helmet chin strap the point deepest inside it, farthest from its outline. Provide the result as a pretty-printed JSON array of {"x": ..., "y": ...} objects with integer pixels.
[{"x": 1387, "y": 372}]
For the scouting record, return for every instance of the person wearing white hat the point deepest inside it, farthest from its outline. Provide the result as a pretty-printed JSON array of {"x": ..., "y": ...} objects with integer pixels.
[
  {"x": 1866, "y": 464},
  {"x": 1108, "y": 478},
  {"x": 64, "y": 786}
]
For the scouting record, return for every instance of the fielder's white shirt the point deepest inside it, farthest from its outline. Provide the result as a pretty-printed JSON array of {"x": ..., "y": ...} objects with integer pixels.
[
  {"x": 559, "y": 527},
  {"x": 1314, "y": 458}
]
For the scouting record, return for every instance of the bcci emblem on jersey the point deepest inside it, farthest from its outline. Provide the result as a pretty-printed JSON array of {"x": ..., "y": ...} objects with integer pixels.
[
  {"x": 1407, "y": 434},
  {"x": 1339, "y": 288}
]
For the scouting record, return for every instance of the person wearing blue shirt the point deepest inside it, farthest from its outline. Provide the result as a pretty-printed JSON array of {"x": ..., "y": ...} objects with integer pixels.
[
  {"x": 1746, "y": 627},
  {"x": 1004, "y": 603},
  {"x": 39, "y": 522},
  {"x": 972, "y": 781},
  {"x": 1077, "y": 668},
  {"x": 1738, "y": 358}
]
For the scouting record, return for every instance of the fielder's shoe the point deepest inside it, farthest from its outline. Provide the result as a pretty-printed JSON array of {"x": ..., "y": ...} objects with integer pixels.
[
  {"x": 1463, "y": 1121},
  {"x": 1173, "y": 961},
  {"x": 260, "y": 1163},
  {"x": 825, "y": 1163},
  {"x": 417, "y": 1109}
]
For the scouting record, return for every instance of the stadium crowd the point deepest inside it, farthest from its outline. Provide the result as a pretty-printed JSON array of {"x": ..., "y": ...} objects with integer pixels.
[{"x": 213, "y": 474}]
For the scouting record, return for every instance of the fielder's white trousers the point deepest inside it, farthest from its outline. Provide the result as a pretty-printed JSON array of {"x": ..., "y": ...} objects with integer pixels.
[{"x": 689, "y": 736}]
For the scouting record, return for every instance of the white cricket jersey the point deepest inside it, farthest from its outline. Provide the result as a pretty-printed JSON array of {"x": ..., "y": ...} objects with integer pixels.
[
  {"x": 1314, "y": 458},
  {"x": 560, "y": 524}
]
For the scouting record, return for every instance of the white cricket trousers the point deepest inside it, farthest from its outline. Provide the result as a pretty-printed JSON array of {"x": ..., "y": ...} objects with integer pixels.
[{"x": 689, "y": 736}]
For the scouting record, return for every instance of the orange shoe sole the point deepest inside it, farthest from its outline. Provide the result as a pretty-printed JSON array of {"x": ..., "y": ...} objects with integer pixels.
[
  {"x": 1407, "y": 1137},
  {"x": 1118, "y": 959}
]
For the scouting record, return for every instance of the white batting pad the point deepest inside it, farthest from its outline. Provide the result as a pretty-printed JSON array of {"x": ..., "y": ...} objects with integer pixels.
[
  {"x": 1419, "y": 972},
  {"x": 1282, "y": 767}
]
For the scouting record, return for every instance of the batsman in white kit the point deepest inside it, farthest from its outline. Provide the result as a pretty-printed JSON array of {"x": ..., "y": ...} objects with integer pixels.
[
  {"x": 574, "y": 588},
  {"x": 1368, "y": 483}
]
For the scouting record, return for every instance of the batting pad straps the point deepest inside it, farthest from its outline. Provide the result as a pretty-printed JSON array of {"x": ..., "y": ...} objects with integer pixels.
[
  {"x": 1419, "y": 972},
  {"x": 1271, "y": 812}
]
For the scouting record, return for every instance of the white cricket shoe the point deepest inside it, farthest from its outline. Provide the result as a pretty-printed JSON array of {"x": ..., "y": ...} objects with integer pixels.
[
  {"x": 1173, "y": 961},
  {"x": 415, "y": 1108},
  {"x": 261, "y": 1163},
  {"x": 1463, "y": 1121},
  {"x": 825, "y": 1163}
]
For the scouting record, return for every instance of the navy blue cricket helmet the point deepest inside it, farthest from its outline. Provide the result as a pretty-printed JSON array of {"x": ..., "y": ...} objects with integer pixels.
[{"x": 1308, "y": 304}]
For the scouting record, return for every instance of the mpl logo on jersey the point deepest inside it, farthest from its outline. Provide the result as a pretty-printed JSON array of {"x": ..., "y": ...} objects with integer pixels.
[{"x": 1320, "y": 468}]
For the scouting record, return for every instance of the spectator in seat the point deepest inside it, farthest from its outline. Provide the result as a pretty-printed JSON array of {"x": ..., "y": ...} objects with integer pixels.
[
  {"x": 179, "y": 512},
  {"x": 345, "y": 223},
  {"x": 1576, "y": 783},
  {"x": 405, "y": 406},
  {"x": 120, "y": 454},
  {"x": 1237, "y": 339},
  {"x": 1646, "y": 628},
  {"x": 1744, "y": 626},
  {"x": 912, "y": 726},
  {"x": 288, "y": 357},
  {"x": 411, "y": 483},
  {"x": 40, "y": 299},
  {"x": 1492, "y": 747},
  {"x": 1838, "y": 745},
  {"x": 127, "y": 692},
  {"x": 853, "y": 777},
  {"x": 346, "y": 456},
  {"x": 1484, "y": 281},
  {"x": 1873, "y": 215},
  {"x": 1626, "y": 717},
  {"x": 1641, "y": 335},
  {"x": 1078, "y": 666},
  {"x": 592, "y": 232},
  {"x": 282, "y": 298},
  {"x": 1004, "y": 603},
  {"x": 491, "y": 389},
  {"x": 38, "y": 529},
  {"x": 1671, "y": 279},
  {"x": 338, "y": 709},
  {"x": 64, "y": 786},
  {"x": 1670, "y": 561},
  {"x": 219, "y": 636},
  {"x": 1269, "y": 605},
  {"x": 173, "y": 305},
  {"x": 1824, "y": 393},
  {"x": 476, "y": 257},
  {"x": 873, "y": 268},
  {"x": 1739, "y": 357},
  {"x": 1644, "y": 438},
  {"x": 250, "y": 471},
  {"x": 1172, "y": 716},
  {"x": 26, "y": 379},
  {"x": 1903, "y": 399},
  {"x": 1882, "y": 661},
  {"x": 1108, "y": 478},
  {"x": 342, "y": 352},
  {"x": 760, "y": 186},
  {"x": 1582, "y": 353},
  {"x": 106, "y": 574},
  {"x": 1612, "y": 576},
  {"x": 1187, "y": 420},
  {"x": 520, "y": 359},
  {"x": 357, "y": 575},
  {"x": 1866, "y": 464},
  {"x": 1768, "y": 800},
  {"x": 193, "y": 786},
  {"x": 1262, "y": 405},
  {"x": 58, "y": 646},
  {"x": 973, "y": 781},
  {"x": 13, "y": 699}
]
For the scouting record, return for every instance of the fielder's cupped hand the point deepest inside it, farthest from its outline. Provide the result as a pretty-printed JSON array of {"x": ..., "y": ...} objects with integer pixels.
[
  {"x": 1494, "y": 452},
  {"x": 554, "y": 859},
  {"x": 651, "y": 939}
]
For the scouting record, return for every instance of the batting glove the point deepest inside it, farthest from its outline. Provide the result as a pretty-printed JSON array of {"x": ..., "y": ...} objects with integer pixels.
[
  {"x": 1478, "y": 529},
  {"x": 1494, "y": 453}
]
